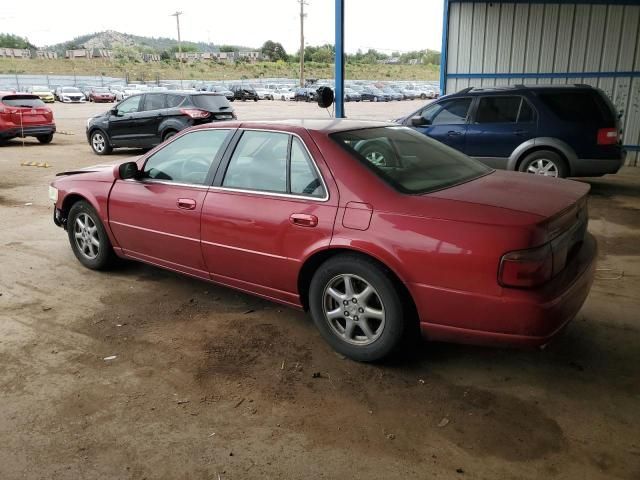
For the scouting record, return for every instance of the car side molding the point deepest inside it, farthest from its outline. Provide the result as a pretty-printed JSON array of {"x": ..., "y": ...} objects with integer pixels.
[{"x": 549, "y": 142}]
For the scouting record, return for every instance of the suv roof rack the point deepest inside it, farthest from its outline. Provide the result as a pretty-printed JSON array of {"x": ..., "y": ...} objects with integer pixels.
[{"x": 466, "y": 90}]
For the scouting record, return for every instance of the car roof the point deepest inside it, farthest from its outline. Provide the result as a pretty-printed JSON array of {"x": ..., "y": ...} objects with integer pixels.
[
  {"x": 331, "y": 125},
  {"x": 519, "y": 88}
]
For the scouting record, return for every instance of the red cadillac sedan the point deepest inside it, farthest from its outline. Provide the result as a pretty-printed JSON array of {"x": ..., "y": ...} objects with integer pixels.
[{"x": 370, "y": 226}]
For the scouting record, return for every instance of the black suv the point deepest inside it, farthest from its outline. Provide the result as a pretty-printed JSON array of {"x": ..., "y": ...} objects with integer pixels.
[
  {"x": 244, "y": 92},
  {"x": 555, "y": 130},
  {"x": 145, "y": 120}
]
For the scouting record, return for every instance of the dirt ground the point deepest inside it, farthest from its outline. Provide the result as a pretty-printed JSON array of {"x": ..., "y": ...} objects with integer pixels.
[{"x": 209, "y": 383}]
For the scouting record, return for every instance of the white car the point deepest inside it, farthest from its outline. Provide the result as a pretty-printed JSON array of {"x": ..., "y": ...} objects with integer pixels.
[
  {"x": 126, "y": 93},
  {"x": 264, "y": 94},
  {"x": 70, "y": 95},
  {"x": 284, "y": 94}
]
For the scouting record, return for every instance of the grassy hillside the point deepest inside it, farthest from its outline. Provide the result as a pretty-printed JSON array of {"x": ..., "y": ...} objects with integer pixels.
[{"x": 214, "y": 71}]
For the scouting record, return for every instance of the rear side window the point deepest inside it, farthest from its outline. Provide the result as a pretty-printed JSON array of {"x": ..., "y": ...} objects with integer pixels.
[
  {"x": 174, "y": 100},
  {"x": 28, "y": 101},
  {"x": 211, "y": 103},
  {"x": 154, "y": 101},
  {"x": 507, "y": 109},
  {"x": 579, "y": 106}
]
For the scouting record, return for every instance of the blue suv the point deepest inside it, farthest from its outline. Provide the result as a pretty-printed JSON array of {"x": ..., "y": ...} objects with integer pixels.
[{"x": 559, "y": 131}]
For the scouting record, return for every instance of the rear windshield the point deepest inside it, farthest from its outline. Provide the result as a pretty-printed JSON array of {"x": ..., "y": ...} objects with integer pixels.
[
  {"x": 211, "y": 103},
  {"x": 29, "y": 101},
  {"x": 409, "y": 161},
  {"x": 581, "y": 105}
]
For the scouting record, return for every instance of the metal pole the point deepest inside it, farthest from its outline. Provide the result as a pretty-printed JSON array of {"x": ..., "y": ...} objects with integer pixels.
[
  {"x": 339, "y": 60},
  {"x": 302, "y": 4},
  {"x": 177, "y": 15}
]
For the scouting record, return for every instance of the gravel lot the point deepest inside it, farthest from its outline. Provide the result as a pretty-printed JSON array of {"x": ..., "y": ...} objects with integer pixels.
[{"x": 209, "y": 383}]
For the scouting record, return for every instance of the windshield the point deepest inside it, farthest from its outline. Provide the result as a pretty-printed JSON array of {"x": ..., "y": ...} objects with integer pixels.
[
  {"x": 70, "y": 90},
  {"x": 101, "y": 90},
  {"x": 410, "y": 161},
  {"x": 40, "y": 88},
  {"x": 27, "y": 101}
]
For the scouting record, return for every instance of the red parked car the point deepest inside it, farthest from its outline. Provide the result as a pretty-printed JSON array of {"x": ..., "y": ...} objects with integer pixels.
[
  {"x": 25, "y": 115},
  {"x": 301, "y": 213},
  {"x": 101, "y": 95}
]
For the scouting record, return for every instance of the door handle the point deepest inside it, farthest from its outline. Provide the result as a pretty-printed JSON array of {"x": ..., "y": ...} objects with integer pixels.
[
  {"x": 186, "y": 203},
  {"x": 304, "y": 220},
  {"x": 452, "y": 133}
]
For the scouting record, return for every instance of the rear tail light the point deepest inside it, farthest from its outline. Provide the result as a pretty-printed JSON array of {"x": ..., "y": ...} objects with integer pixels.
[
  {"x": 607, "y": 136},
  {"x": 526, "y": 268},
  {"x": 194, "y": 113}
]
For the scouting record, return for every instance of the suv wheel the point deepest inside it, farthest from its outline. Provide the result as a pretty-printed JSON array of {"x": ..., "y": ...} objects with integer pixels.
[
  {"x": 544, "y": 162},
  {"x": 45, "y": 138},
  {"x": 99, "y": 143},
  {"x": 357, "y": 308},
  {"x": 168, "y": 134}
]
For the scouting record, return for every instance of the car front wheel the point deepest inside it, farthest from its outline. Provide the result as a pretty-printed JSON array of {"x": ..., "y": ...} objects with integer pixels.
[
  {"x": 99, "y": 143},
  {"x": 357, "y": 308},
  {"x": 544, "y": 162},
  {"x": 88, "y": 238}
]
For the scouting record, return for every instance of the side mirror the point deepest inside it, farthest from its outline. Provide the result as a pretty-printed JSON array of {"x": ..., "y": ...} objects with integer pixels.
[
  {"x": 128, "y": 170},
  {"x": 621, "y": 113},
  {"x": 114, "y": 111},
  {"x": 419, "y": 121}
]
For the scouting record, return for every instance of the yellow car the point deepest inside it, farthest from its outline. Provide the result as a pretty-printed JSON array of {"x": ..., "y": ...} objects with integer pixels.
[{"x": 43, "y": 92}]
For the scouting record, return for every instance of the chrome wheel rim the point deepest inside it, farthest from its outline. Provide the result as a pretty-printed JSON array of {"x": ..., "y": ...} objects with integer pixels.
[
  {"x": 376, "y": 158},
  {"x": 85, "y": 232},
  {"x": 543, "y": 166},
  {"x": 353, "y": 309},
  {"x": 98, "y": 142}
]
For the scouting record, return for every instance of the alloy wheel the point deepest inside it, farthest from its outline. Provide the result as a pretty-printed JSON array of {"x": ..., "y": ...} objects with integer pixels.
[
  {"x": 543, "y": 166},
  {"x": 98, "y": 142},
  {"x": 85, "y": 233},
  {"x": 353, "y": 309}
]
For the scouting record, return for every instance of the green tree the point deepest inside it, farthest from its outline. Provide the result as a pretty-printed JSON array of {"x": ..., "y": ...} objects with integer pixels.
[{"x": 8, "y": 40}]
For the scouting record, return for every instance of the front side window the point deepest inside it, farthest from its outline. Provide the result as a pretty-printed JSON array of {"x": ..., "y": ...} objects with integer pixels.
[
  {"x": 188, "y": 159},
  {"x": 448, "y": 112},
  {"x": 130, "y": 105},
  {"x": 507, "y": 109},
  {"x": 412, "y": 163},
  {"x": 273, "y": 162}
]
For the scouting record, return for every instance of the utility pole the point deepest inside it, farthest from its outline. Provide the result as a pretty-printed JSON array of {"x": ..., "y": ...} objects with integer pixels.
[
  {"x": 177, "y": 15},
  {"x": 302, "y": 15}
]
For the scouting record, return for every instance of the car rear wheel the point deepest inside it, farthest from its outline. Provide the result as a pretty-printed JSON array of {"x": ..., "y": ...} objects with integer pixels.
[
  {"x": 357, "y": 308},
  {"x": 99, "y": 143},
  {"x": 544, "y": 162},
  {"x": 45, "y": 138},
  {"x": 88, "y": 238}
]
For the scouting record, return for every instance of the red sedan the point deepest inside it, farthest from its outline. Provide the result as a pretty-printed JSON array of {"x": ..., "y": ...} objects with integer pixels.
[
  {"x": 101, "y": 95},
  {"x": 370, "y": 226}
]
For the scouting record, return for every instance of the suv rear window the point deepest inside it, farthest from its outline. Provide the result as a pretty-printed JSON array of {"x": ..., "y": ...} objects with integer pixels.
[
  {"x": 30, "y": 101},
  {"x": 503, "y": 109},
  {"x": 579, "y": 106},
  {"x": 211, "y": 103},
  {"x": 409, "y": 161}
]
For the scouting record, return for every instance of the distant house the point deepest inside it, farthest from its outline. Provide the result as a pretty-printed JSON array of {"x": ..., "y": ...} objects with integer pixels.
[
  {"x": 77, "y": 53},
  {"x": 48, "y": 54},
  {"x": 150, "y": 57},
  {"x": 15, "y": 52},
  {"x": 251, "y": 55}
]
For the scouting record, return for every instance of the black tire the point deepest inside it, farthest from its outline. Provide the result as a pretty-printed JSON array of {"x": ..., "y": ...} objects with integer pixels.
[
  {"x": 378, "y": 154},
  {"x": 389, "y": 334},
  {"x": 255, "y": 99},
  {"x": 423, "y": 96},
  {"x": 540, "y": 160},
  {"x": 232, "y": 99},
  {"x": 100, "y": 143},
  {"x": 168, "y": 134},
  {"x": 105, "y": 256},
  {"x": 44, "y": 139}
]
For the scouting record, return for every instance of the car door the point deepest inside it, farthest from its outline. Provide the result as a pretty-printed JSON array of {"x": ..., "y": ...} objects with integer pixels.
[
  {"x": 122, "y": 121},
  {"x": 153, "y": 112},
  {"x": 499, "y": 124},
  {"x": 157, "y": 218},
  {"x": 267, "y": 211},
  {"x": 446, "y": 121}
]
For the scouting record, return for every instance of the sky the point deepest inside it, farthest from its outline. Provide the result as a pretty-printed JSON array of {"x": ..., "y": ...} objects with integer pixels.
[{"x": 402, "y": 25}]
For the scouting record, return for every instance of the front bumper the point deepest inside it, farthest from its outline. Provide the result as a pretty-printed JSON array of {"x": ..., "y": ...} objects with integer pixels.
[
  {"x": 29, "y": 131},
  {"x": 521, "y": 318}
]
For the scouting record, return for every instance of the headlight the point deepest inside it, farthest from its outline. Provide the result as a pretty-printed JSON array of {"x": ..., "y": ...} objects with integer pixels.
[{"x": 53, "y": 194}]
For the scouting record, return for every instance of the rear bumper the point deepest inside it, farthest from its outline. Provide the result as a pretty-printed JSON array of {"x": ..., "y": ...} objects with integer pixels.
[
  {"x": 588, "y": 167},
  {"x": 31, "y": 131},
  {"x": 522, "y": 318}
]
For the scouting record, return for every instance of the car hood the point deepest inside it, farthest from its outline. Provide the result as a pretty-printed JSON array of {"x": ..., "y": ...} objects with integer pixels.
[
  {"x": 103, "y": 172},
  {"x": 521, "y": 192}
]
